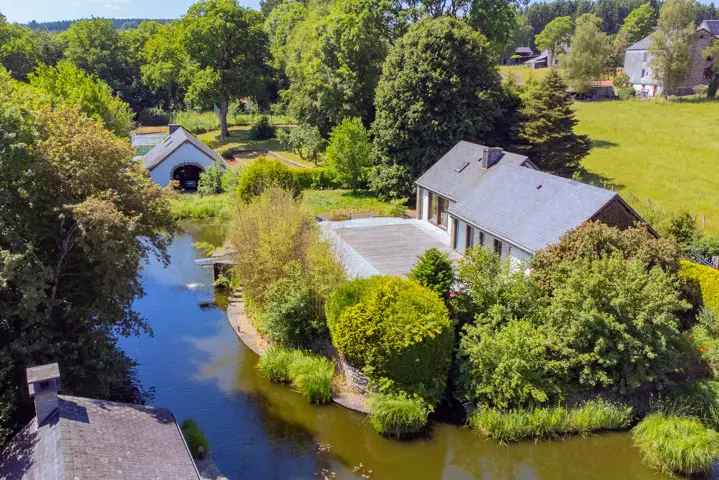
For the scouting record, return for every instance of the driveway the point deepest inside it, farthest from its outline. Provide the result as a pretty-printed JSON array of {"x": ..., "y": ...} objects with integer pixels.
[{"x": 383, "y": 246}]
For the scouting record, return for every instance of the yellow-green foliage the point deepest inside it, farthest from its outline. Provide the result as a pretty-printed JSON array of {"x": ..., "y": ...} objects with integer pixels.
[
  {"x": 396, "y": 330},
  {"x": 398, "y": 415},
  {"x": 198, "y": 207},
  {"x": 676, "y": 444},
  {"x": 515, "y": 425},
  {"x": 708, "y": 280}
]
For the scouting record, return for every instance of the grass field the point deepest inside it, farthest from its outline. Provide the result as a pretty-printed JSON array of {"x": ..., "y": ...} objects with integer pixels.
[{"x": 657, "y": 153}]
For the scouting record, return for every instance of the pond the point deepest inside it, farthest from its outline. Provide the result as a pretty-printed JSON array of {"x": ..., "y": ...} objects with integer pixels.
[{"x": 196, "y": 366}]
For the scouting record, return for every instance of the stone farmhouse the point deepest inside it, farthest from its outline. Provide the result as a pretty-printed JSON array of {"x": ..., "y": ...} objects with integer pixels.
[{"x": 637, "y": 63}]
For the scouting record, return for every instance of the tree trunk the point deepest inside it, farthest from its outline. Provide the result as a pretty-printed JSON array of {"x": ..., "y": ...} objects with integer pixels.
[{"x": 222, "y": 115}]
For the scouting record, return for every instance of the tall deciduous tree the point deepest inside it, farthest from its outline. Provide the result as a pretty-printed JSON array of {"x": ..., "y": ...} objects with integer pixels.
[
  {"x": 547, "y": 130},
  {"x": 228, "y": 50},
  {"x": 165, "y": 65},
  {"x": 495, "y": 19},
  {"x": 639, "y": 23},
  {"x": 670, "y": 44},
  {"x": 334, "y": 60},
  {"x": 20, "y": 49},
  {"x": 350, "y": 153},
  {"x": 589, "y": 55},
  {"x": 556, "y": 36},
  {"x": 439, "y": 85},
  {"x": 78, "y": 216}
]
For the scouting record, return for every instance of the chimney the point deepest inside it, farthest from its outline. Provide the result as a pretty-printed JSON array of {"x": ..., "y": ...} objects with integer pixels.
[
  {"x": 490, "y": 156},
  {"x": 44, "y": 384},
  {"x": 173, "y": 127}
]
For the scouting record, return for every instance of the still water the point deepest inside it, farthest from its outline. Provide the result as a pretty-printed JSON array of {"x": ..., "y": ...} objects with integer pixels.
[{"x": 198, "y": 368}]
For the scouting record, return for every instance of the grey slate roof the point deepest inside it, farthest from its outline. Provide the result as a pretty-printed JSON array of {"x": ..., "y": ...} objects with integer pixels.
[
  {"x": 529, "y": 208},
  {"x": 710, "y": 25},
  {"x": 524, "y": 50},
  {"x": 642, "y": 44},
  {"x": 89, "y": 439},
  {"x": 174, "y": 141},
  {"x": 458, "y": 172}
]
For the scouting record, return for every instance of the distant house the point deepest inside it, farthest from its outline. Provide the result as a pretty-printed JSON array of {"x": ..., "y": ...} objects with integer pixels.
[
  {"x": 181, "y": 157},
  {"x": 637, "y": 63},
  {"x": 485, "y": 196},
  {"x": 75, "y": 438},
  {"x": 521, "y": 55},
  {"x": 545, "y": 59}
]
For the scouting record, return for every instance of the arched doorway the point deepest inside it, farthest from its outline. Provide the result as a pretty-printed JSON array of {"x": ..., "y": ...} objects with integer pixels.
[{"x": 187, "y": 177}]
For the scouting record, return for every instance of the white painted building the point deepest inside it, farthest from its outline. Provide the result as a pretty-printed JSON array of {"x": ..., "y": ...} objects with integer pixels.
[{"x": 181, "y": 157}]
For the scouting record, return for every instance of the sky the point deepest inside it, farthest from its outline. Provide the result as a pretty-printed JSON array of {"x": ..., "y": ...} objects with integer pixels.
[{"x": 23, "y": 11}]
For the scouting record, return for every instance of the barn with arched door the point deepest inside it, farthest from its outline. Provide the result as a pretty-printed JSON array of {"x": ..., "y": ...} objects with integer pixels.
[{"x": 181, "y": 157}]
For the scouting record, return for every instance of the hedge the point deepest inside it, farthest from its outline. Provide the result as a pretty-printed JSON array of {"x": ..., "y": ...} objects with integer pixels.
[
  {"x": 317, "y": 178},
  {"x": 708, "y": 280},
  {"x": 676, "y": 444},
  {"x": 397, "y": 331}
]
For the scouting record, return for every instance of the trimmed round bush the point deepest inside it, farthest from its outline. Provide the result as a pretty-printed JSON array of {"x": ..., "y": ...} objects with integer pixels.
[
  {"x": 434, "y": 270},
  {"x": 196, "y": 440},
  {"x": 397, "y": 331},
  {"x": 708, "y": 280},
  {"x": 676, "y": 444},
  {"x": 263, "y": 174},
  {"x": 398, "y": 416}
]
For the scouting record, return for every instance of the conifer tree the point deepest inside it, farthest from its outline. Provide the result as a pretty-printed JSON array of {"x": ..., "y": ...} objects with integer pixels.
[{"x": 547, "y": 132}]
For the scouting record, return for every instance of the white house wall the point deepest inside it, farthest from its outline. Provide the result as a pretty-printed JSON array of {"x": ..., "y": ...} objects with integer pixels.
[
  {"x": 187, "y": 154},
  {"x": 424, "y": 198},
  {"x": 516, "y": 255}
]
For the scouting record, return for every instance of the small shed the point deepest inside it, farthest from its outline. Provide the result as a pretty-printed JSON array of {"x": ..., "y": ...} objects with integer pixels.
[{"x": 181, "y": 157}]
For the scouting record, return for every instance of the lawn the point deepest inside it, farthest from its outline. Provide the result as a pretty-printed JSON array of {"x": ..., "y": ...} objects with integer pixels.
[
  {"x": 657, "y": 152},
  {"x": 521, "y": 73},
  {"x": 330, "y": 204}
]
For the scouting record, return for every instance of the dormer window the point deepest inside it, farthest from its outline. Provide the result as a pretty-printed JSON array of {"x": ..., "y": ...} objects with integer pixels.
[{"x": 461, "y": 167}]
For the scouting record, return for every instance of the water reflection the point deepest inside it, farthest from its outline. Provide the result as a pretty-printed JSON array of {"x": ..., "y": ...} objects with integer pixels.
[{"x": 259, "y": 430}]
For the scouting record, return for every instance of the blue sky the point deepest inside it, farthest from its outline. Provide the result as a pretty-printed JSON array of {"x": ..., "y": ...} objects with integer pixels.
[{"x": 23, "y": 11}]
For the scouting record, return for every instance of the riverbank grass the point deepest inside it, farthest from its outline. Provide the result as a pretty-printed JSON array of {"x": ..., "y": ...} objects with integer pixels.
[
  {"x": 311, "y": 375},
  {"x": 516, "y": 425},
  {"x": 675, "y": 444},
  {"x": 196, "y": 440},
  {"x": 397, "y": 416},
  {"x": 193, "y": 206}
]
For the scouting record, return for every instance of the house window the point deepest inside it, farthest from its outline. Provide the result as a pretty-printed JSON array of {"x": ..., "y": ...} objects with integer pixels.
[
  {"x": 643, "y": 73},
  {"x": 438, "y": 211},
  {"x": 481, "y": 238},
  {"x": 498, "y": 247},
  {"x": 455, "y": 231},
  {"x": 469, "y": 238}
]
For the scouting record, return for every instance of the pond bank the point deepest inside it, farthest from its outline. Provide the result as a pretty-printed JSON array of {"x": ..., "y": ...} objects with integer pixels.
[{"x": 248, "y": 334}]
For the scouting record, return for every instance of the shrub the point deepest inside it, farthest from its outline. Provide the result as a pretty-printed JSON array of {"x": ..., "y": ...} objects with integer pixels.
[
  {"x": 305, "y": 140},
  {"x": 397, "y": 331},
  {"x": 196, "y": 207},
  {"x": 623, "y": 86},
  {"x": 310, "y": 375},
  {"x": 515, "y": 425},
  {"x": 293, "y": 315},
  {"x": 708, "y": 280},
  {"x": 262, "y": 129},
  {"x": 434, "y": 270},
  {"x": 153, "y": 117},
  {"x": 263, "y": 174},
  {"x": 211, "y": 180},
  {"x": 508, "y": 367},
  {"x": 318, "y": 178},
  {"x": 350, "y": 153},
  {"x": 390, "y": 182},
  {"x": 675, "y": 444},
  {"x": 615, "y": 324},
  {"x": 705, "y": 337},
  {"x": 398, "y": 415},
  {"x": 196, "y": 440},
  {"x": 594, "y": 240},
  {"x": 273, "y": 234}
]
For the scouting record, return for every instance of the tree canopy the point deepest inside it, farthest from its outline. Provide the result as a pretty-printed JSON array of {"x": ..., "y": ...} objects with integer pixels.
[
  {"x": 556, "y": 35},
  {"x": 671, "y": 42},
  {"x": 589, "y": 56}
]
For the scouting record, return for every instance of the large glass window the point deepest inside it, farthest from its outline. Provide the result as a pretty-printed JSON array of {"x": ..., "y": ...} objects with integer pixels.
[
  {"x": 438, "y": 211},
  {"x": 498, "y": 247},
  {"x": 469, "y": 237}
]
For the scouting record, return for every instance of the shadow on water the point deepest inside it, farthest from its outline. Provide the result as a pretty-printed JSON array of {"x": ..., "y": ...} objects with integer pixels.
[{"x": 258, "y": 430}]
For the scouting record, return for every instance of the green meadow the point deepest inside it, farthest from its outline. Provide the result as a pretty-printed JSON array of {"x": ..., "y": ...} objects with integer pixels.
[{"x": 657, "y": 154}]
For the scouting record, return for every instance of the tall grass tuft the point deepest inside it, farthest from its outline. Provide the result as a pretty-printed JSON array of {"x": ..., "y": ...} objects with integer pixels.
[
  {"x": 516, "y": 425},
  {"x": 676, "y": 444},
  {"x": 699, "y": 400},
  {"x": 309, "y": 374},
  {"x": 398, "y": 416},
  {"x": 196, "y": 440}
]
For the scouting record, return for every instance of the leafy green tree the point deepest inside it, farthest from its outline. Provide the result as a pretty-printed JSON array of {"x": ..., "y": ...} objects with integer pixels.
[
  {"x": 165, "y": 65},
  {"x": 589, "y": 56},
  {"x": 279, "y": 25},
  {"x": 439, "y": 85},
  {"x": 495, "y": 19},
  {"x": 615, "y": 322},
  {"x": 349, "y": 153},
  {"x": 305, "y": 140},
  {"x": 712, "y": 51},
  {"x": 333, "y": 62},
  {"x": 390, "y": 182},
  {"x": 227, "y": 47},
  {"x": 79, "y": 214},
  {"x": 638, "y": 24},
  {"x": 547, "y": 131},
  {"x": 670, "y": 44},
  {"x": 20, "y": 49},
  {"x": 434, "y": 270},
  {"x": 556, "y": 36},
  {"x": 67, "y": 84}
]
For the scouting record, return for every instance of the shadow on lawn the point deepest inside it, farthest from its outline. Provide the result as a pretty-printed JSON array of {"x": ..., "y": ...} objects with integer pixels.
[
  {"x": 603, "y": 144},
  {"x": 598, "y": 180}
]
